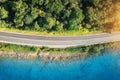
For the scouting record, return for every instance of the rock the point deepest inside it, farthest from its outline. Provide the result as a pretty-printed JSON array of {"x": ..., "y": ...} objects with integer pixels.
[{"x": 57, "y": 58}]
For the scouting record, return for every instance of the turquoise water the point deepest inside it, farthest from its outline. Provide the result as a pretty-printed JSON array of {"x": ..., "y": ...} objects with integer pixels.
[{"x": 103, "y": 67}]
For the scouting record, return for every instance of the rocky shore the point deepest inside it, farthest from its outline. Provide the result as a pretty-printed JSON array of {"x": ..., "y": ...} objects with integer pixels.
[
  {"x": 42, "y": 55},
  {"x": 18, "y": 55}
]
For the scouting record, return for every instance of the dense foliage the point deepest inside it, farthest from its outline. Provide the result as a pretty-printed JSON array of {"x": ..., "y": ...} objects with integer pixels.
[{"x": 59, "y": 15}]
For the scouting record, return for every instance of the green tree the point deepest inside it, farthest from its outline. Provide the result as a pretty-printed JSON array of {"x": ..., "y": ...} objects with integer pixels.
[
  {"x": 96, "y": 3},
  {"x": 98, "y": 14},
  {"x": 76, "y": 18},
  {"x": 33, "y": 14},
  {"x": 3, "y": 23},
  {"x": 49, "y": 23},
  {"x": 3, "y": 13},
  {"x": 20, "y": 11},
  {"x": 38, "y": 2},
  {"x": 58, "y": 26},
  {"x": 54, "y": 6},
  {"x": 2, "y": 1},
  {"x": 36, "y": 26}
]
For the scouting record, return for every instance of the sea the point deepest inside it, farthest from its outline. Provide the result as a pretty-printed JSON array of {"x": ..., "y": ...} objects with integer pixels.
[{"x": 101, "y": 67}]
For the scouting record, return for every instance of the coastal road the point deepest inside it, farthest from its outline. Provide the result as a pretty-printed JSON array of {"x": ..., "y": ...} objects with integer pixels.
[{"x": 58, "y": 42}]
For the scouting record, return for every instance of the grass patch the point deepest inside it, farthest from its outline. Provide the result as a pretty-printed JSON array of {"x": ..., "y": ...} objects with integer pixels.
[
  {"x": 92, "y": 49},
  {"x": 53, "y": 33},
  {"x": 17, "y": 48}
]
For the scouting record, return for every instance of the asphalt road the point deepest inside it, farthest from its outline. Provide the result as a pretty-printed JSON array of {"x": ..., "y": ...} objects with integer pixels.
[{"x": 58, "y": 42}]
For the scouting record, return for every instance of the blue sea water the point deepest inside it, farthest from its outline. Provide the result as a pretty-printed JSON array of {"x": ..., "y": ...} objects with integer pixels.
[{"x": 103, "y": 67}]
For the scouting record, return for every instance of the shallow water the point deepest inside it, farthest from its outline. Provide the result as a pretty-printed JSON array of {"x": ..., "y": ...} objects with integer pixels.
[{"x": 103, "y": 67}]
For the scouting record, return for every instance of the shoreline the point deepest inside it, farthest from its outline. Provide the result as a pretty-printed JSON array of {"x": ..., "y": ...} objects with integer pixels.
[
  {"x": 42, "y": 55},
  {"x": 25, "y": 52}
]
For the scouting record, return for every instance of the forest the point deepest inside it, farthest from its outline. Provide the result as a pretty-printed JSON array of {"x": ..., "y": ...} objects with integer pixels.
[{"x": 60, "y": 15}]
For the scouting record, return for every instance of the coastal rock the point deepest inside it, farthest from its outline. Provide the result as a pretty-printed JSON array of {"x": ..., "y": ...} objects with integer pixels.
[{"x": 42, "y": 55}]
